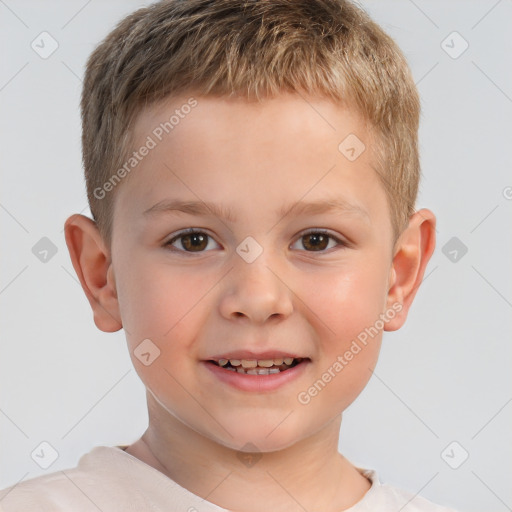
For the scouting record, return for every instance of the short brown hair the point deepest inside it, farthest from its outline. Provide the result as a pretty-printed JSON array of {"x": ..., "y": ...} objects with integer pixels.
[{"x": 257, "y": 49}]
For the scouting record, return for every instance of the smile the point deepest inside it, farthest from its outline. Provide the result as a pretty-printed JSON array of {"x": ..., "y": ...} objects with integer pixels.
[
  {"x": 257, "y": 375},
  {"x": 258, "y": 366}
]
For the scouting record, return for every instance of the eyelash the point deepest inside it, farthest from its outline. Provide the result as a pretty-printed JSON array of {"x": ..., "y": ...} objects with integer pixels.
[{"x": 193, "y": 231}]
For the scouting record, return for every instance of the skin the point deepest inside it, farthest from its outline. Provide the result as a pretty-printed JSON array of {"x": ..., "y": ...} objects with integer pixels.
[{"x": 253, "y": 158}]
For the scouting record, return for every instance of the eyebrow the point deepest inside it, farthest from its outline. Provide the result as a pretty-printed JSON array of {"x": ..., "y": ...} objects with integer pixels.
[{"x": 205, "y": 208}]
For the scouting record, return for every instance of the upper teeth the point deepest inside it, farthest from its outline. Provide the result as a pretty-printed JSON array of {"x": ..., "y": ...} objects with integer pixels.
[{"x": 252, "y": 363}]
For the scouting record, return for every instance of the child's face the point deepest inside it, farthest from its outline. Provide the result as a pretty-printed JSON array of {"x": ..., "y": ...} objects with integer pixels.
[{"x": 255, "y": 160}]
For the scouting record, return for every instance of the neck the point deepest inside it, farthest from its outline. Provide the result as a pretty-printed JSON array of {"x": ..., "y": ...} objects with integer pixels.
[{"x": 309, "y": 474}]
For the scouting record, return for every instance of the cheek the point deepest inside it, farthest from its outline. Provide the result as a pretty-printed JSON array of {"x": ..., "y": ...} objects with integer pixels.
[
  {"x": 155, "y": 297},
  {"x": 162, "y": 303},
  {"x": 346, "y": 301},
  {"x": 166, "y": 304}
]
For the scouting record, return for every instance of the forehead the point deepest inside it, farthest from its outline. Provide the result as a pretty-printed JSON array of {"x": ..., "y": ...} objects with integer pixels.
[
  {"x": 188, "y": 120},
  {"x": 279, "y": 150}
]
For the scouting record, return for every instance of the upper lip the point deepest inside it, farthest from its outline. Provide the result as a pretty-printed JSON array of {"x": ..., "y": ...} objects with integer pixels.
[{"x": 249, "y": 355}]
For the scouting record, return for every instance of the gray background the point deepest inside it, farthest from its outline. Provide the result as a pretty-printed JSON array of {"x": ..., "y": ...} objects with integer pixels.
[{"x": 443, "y": 378}]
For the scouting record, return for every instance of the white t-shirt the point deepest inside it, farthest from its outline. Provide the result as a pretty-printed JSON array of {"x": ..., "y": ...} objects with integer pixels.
[{"x": 108, "y": 479}]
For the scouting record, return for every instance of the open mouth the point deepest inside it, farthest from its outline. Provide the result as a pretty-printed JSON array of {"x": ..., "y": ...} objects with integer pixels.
[{"x": 258, "y": 367}]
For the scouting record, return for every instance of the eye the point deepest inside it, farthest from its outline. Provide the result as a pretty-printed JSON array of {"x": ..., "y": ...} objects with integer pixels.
[
  {"x": 191, "y": 240},
  {"x": 319, "y": 241}
]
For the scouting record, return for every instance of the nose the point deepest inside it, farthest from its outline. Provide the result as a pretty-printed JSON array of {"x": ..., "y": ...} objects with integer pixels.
[{"x": 255, "y": 292}]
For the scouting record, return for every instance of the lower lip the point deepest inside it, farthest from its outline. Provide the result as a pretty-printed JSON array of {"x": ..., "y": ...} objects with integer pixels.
[{"x": 258, "y": 383}]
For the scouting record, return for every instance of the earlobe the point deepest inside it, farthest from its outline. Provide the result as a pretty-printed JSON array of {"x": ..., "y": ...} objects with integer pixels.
[
  {"x": 92, "y": 263},
  {"x": 414, "y": 249}
]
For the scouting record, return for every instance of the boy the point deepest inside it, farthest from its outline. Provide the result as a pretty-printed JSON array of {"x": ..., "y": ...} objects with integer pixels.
[{"x": 252, "y": 169}]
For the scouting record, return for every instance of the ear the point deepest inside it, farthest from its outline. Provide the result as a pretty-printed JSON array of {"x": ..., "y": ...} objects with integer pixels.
[
  {"x": 92, "y": 263},
  {"x": 412, "y": 253}
]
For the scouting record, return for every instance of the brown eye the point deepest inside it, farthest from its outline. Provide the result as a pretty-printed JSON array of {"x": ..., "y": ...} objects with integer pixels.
[
  {"x": 192, "y": 241},
  {"x": 318, "y": 241},
  {"x": 315, "y": 241}
]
